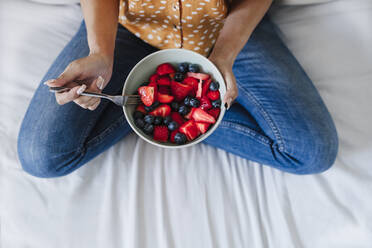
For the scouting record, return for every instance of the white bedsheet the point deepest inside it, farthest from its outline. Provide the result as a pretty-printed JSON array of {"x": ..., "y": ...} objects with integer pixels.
[{"x": 137, "y": 195}]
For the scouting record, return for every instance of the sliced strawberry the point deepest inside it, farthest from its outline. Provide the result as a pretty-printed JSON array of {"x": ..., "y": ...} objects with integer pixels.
[
  {"x": 213, "y": 95},
  {"x": 205, "y": 103},
  {"x": 193, "y": 82},
  {"x": 206, "y": 86},
  {"x": 164, "y": 80},
  {"x": 215, "y": 112},
  {"x": 180, "y": 91},
  {"x": 161, "y": 133},
  {"x": 200, "y": 89},
  {"x": 190, "y": 129},
  {"x": 164, "y": 69},
  {"x": 164, "y": 90},
  {"x": 177, "y": 118},
  {"x": 202, "y": 116},
  {"x": 153, "y": 78},
  {"x": 163, "y": 110},
  {"x": 200, "y": 76},
  {"x": 153, "y": 84},
  {"x": 202, "y": 126},
  {"x": 141, "y": 108},
  {"x": 189, "y": 115},
  {"x": 147, "y": 94},
  {"x": 163, "y": 98},
  {"x": 173, "y": 133}
]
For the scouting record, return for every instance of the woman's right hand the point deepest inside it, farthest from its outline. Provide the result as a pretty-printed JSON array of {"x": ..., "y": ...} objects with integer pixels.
[{"x": 91, "y": 73}]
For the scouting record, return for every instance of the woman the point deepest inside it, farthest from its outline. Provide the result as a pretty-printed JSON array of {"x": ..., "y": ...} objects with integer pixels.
[{"x": 278, "y": 117}]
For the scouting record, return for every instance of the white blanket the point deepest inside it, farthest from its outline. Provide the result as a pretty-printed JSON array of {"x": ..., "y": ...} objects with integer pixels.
[{"x": 137, "y": 195}]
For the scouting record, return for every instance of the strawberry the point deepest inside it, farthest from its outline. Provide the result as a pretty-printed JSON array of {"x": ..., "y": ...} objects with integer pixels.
[
  {"x": 164, "y": 89},
  {"x": 177, "y": 118},
  {"x": 202, "y": 126},
  {"x": 164, "y": 80},
  {"x": 193, "y": 83},
  {"x": 200, "y": 76},
  {"x": 161, "y": 133},
  {"x": 205, "y": 103},
  {"x": 206, "y": 86},
  {"x": 163, "y": 98},
  {"x": 163, "y": 110},
  {"x": 153, "y": 78},
  {"x": 147, "y": 94},
  {"x": 180, "y": 91},
  {"x": 201, "y": 116},
  {"x": 173, "y": 133},
  {"x": 141, "y": 108},
  {"x": 215, "y": 112},
  {"x": 200, "y": 89},
  {"x": 213, "y": 95},
  {"x": 189, "y": 115},
  {"x": 165, "y": 69},
  {"x": 190, "y": 129}
]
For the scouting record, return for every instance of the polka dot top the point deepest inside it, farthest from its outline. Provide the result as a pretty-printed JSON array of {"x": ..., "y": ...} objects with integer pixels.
[{"x": 188, "y": 24}]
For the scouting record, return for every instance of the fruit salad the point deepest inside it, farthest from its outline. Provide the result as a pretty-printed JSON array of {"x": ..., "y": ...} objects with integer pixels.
[{"x": 178, "y": 104}]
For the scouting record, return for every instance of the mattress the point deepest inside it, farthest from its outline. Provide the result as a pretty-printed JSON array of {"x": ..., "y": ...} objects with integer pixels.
[{"x": 138, "y": 195}]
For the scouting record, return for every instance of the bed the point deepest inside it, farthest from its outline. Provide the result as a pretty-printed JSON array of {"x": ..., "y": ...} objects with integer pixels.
[{"x": 138, "y": 195}]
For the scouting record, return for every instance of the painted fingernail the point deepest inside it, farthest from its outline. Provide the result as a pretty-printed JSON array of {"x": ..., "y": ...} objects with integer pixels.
[
  {"x": 226, "y": 106},
  {"x": 99, "y": 82},
  {"x": 81, "y": 89},
  {"x": 49, "y": 81}
]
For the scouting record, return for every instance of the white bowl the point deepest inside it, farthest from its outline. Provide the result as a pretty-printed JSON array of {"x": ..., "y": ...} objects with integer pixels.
[{"x": 141, "y": 72}]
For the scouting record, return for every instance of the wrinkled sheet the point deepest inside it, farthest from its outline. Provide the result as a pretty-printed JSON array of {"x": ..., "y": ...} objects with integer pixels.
[{"x": 138, "y": 195}]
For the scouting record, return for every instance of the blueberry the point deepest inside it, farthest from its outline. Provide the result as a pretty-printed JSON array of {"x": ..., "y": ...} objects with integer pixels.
[
  {"x": 194, "y": 102},
  {"x": 194, "y": 68},
  {"x": 152, "y": 107},
  {"x": 179, "y": 76},
  {"x": 175, "y": 106},
  {"x": 167, "y": 120},
  {"x": 180, "y": 138},
  {"x": 183, "y": 67},
  {"x": 149, "y": 119},
  {"x": 172, "y": 125},
  {"x": 183, "y": 110},
  {"x": 158, "y": 120},
  {"x": 216, "y": 103},
  {"x": 149, "y": 128},
  {"x": 214, "y": 86},
  {"x": 139, "y": 123},
  {"x": 138, "y": 115},
  {"x": 186, "y": 101}
]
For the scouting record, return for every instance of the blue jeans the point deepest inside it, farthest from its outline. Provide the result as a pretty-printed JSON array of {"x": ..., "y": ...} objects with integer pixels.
[{"x": 278, "y": 119}]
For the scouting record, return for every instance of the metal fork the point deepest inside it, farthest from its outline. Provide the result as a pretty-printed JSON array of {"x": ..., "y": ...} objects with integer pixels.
[{"x": 118, "y": 100}]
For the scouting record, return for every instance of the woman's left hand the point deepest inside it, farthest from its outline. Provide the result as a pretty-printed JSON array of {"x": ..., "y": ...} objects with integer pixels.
[{"x": 225, "y": 68}]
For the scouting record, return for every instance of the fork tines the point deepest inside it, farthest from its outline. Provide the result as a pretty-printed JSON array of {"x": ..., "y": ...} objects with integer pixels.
[{"x": 133, "y": 99}]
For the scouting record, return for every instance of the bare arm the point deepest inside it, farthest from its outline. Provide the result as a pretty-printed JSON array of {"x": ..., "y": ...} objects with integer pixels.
[
  {"x": 101, "y": 20},
  {"x": 95, "y": 70},
  {"x": 243, "y": 18}
]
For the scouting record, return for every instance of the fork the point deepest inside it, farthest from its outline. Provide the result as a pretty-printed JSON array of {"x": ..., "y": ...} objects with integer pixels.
[{"x": 118, "y": 100}]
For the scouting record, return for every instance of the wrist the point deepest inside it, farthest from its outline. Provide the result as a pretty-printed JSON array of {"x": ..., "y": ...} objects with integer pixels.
[{"x": 224, "y": 64}]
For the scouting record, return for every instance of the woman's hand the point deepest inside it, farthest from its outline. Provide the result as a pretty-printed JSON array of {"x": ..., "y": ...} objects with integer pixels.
[
  {"x": 225, "y": 68},
  {"x": 91, "y": 73}
]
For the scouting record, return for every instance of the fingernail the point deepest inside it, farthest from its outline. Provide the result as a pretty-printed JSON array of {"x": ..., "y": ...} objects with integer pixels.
[
  {"x": 49, "y": 81},
  {"x": 81, "y": 89},
  {"x": 99, "y": 82},
  {"x": 226, "y": 106}
]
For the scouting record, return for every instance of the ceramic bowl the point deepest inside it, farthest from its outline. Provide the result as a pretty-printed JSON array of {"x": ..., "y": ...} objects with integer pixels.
[{"x": 141, "y": 72}]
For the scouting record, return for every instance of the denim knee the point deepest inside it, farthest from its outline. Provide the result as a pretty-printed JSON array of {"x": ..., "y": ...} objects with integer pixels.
[
  {"x": 321, "y": 154},
  {"x": 40, "y": 160}
]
